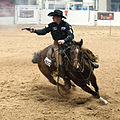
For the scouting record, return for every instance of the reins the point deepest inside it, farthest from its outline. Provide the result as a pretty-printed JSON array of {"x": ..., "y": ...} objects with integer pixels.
[{"x": 83, "y": 68}]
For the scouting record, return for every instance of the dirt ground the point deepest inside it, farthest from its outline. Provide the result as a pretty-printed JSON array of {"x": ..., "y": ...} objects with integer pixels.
[{"x": 25, "y": 94}]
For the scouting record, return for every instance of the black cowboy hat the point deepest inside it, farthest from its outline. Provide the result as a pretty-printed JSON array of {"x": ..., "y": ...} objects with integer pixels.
[{"x": 58, "y": 13}]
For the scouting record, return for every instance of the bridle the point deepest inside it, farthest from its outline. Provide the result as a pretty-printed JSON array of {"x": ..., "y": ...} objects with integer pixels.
[{"x": 81, "y": 68}]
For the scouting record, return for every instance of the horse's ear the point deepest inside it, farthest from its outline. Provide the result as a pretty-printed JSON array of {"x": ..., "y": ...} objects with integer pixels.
[{"x": 81, "y": 42}]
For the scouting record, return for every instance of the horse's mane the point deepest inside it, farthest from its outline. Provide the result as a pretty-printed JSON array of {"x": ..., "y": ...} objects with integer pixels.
[{"x": 90, "y": 54}]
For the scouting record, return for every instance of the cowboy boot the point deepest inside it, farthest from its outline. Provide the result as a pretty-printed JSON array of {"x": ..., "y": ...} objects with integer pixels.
[
  {"x": 65, "y": 78},
  {"x": 94, "y": 64}
]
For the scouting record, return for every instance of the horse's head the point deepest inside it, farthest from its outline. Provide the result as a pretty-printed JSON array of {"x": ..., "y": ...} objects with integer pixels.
[{"x": 76, "y": 54}]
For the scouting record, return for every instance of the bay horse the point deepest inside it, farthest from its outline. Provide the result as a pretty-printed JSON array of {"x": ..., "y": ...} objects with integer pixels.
[{"x": 78, "y": 68}]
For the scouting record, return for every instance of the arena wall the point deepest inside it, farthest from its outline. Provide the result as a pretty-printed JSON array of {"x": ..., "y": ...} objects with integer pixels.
[
  {"x": 83, "y": 18},
  {"x": 30, "y": 14},
  {"x": 7, "y": 20}
]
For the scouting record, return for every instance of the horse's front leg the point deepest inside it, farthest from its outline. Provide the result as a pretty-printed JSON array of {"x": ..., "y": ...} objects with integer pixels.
[
  {"x": 95, "y": 94},
  {"x": 94, "y": 83},
  {"x": 89, "y": 90}
]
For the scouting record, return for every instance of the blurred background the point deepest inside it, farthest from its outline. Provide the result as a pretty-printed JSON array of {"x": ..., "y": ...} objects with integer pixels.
[{"x": 78, "y": 12}]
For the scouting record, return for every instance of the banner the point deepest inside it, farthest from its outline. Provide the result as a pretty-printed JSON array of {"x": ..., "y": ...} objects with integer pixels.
[
  {"x": 26, "y": 13},
  {"x": 105, "y": 16}
]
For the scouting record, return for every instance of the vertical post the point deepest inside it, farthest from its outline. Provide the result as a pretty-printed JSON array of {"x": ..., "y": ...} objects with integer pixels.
[
  {"x": 110, "y": 27},
  {"x": 29, "y": 2},
  {"x": 110, "y": 18},
  {"x": 96, "y": 4},
  {"x": 54, "y": 4},
  {"x": 46, "y": 5},
  {"x": 40, "y": 8},
  {"x": 89, "y": 13},
  {"x": 67, "y": 5},
  {"x": 95, "y": 18}
]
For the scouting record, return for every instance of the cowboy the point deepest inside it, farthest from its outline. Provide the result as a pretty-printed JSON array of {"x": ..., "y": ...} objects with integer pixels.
[{"x": 61, "y": 33}]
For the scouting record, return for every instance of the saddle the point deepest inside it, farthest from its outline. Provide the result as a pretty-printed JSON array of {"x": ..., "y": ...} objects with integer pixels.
[{"x": 50, "y": 54}]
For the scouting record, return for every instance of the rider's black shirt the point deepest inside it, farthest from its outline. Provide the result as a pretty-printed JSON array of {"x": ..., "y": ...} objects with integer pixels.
[{"x": 63, "y": 31}]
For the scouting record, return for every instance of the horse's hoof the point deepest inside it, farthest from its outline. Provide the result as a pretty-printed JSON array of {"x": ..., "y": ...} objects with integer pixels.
[{"x": 103, "y": 100}]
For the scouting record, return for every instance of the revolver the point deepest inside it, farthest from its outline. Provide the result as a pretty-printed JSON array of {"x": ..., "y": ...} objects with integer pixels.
[{"x": 27, "y": 28}]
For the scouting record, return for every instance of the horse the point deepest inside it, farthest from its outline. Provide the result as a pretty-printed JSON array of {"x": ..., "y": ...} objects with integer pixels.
[{"x": 77, "y": 66}]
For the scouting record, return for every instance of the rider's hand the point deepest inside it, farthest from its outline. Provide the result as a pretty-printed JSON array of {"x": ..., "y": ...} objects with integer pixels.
[
  {"x": 32, "y": 30},
  {"x": 61, "y": 41}
]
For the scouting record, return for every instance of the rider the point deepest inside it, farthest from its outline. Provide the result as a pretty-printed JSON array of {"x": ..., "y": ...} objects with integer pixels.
[{"x": 61, "y": 33}]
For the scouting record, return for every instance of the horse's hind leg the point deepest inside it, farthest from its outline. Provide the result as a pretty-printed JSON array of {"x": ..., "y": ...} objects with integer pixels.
[
  {"x": 51, "y": 79},
  {"x": 94, "y": 83}
]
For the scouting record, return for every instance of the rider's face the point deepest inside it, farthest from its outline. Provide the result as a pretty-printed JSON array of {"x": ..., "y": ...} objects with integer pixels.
[{"x": 57, "y": 19}]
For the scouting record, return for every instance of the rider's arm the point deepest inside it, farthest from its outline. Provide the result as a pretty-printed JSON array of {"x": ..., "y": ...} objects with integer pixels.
[
  {"x": 43, "y": 31},
  {"x": 70, "y": 34}
]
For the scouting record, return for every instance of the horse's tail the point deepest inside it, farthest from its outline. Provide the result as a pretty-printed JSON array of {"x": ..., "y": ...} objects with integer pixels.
[{"x": 35, "y": 57}]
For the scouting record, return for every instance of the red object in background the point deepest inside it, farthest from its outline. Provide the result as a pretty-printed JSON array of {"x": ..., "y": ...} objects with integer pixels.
[
  {"x": 7, "y": 8},
  {"x": 110, "y": 16},
  {"x": 66, "y": 12},
  {"x": 6, "y": 3}
]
